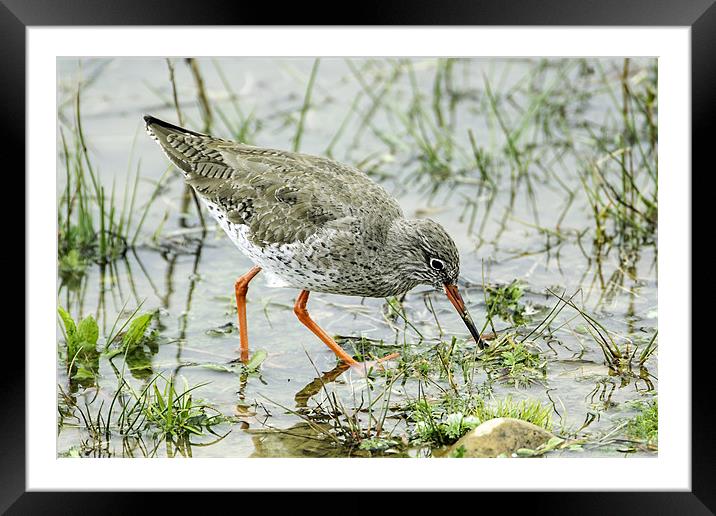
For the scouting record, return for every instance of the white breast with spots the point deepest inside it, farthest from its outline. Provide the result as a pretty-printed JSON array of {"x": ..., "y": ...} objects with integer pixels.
[{"x": 286, "y": 265}]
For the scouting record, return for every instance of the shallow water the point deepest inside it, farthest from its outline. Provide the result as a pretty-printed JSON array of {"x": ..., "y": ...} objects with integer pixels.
[{"x": 189, "y": 275}]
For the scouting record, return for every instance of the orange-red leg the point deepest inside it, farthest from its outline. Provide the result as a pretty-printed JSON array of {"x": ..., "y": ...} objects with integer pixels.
[
  {"x": 241, "y": 287},
  {"x": 302, "y": 313}
]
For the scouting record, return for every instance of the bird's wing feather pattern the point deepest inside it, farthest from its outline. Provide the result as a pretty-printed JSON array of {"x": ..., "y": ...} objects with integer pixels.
[{"x": 282, "y": 197}]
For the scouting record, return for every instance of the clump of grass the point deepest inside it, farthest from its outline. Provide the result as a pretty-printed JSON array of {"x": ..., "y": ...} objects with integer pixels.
[
  {"x": 510, "y": 359},
  {"x": 513, "y": 361},
  {"x": 447, "y": 420},
  {"x": 452, "y": 364},
  {"x": 170, "y": 413},
  {"x": 531, "y": 411},
  {"x": 435, "y": 426},
  {"x": 430, "y": 129},
  {"x": 159, "y": 411},
  {"x": 92, "y": 225},
  {"x": 645, "y": 425},
  {"x": 350, "y": 427},
  {"x": 504, "y": 301}
]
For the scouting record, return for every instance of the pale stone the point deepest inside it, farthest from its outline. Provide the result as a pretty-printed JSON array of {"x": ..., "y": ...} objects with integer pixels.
[{"x": 500, "y": 436}]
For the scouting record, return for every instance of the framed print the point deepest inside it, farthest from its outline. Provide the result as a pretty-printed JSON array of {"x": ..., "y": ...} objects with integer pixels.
[{"x": 448, "y": 252}]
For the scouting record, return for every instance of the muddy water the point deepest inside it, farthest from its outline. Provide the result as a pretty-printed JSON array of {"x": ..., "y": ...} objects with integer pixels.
[{"x": 188, "y": 274}]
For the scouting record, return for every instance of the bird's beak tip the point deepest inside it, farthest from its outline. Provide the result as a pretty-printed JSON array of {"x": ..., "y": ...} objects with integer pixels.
[{"x": 456, "y": 299}]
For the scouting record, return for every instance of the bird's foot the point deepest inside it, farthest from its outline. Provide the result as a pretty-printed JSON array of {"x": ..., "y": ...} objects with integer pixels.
[{"x": 382, "y": 364}]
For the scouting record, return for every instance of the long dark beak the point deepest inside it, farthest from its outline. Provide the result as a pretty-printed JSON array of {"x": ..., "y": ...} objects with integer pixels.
[{"x": 456, "y": 300}]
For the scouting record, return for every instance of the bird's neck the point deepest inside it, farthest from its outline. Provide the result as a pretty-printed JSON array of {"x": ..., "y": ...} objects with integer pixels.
[
  {"x": 400, "y": 253},
  {"x": 402, "y": 234}
]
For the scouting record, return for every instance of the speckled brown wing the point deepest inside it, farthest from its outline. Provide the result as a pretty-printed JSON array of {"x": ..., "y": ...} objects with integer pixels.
[{"x": 282, "y": 197}]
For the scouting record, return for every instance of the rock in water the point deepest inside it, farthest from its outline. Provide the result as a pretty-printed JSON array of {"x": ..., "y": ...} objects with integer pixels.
[{"x": 500, "y": 436}]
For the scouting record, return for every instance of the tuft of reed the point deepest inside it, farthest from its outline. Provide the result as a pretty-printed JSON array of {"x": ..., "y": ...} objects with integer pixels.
[
  {"x": 93, "y": 225},
  {"x": 621, "y": 183}
]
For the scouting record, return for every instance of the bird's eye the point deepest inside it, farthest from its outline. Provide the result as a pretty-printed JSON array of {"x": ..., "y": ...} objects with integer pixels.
[{"x": 436, "y": 264}]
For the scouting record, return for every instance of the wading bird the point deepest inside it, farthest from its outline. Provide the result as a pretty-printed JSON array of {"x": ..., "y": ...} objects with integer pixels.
[{"x": 313, "y": 224}]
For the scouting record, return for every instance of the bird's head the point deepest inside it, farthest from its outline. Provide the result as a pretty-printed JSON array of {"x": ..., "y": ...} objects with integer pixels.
[{"x": 429, "y": 256}]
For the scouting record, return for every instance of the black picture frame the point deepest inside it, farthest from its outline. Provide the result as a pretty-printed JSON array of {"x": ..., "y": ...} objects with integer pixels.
[{"x": 699, "y": 15}]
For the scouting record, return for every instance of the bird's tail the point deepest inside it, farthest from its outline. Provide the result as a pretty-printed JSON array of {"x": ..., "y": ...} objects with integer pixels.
[{"x": 181, "y": 146}]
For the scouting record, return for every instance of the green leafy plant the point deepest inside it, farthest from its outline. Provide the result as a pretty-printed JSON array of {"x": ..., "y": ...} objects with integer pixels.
[
  {"x": 433, "y": 424},
  {"x": 82, "y": 357},
  {"x": 71, "y": 267},
  {"x": 137, "y": 346},
  {"x": 135, "y": 334}
]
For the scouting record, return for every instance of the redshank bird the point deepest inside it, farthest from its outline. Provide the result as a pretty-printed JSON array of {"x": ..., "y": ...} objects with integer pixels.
[{"x": 313, "y": 224}]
